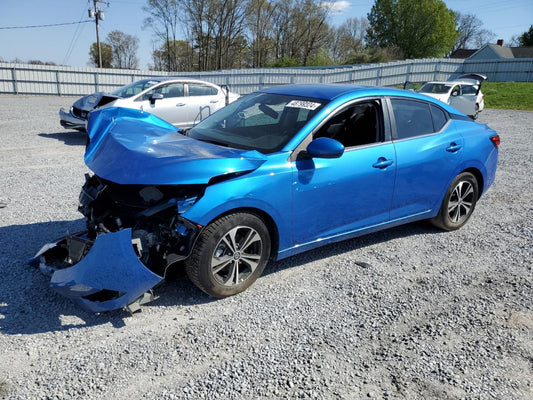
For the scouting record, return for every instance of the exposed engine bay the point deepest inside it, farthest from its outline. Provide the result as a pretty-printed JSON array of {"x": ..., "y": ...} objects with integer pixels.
[
  {"x": 160, "y": 236},
  {"x": 141, "y": 217}
]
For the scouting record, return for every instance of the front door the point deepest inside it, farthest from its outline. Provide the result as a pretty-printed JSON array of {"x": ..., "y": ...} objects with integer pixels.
[
  {"x": 333, "y": 197},
  {"x": 463, "y": 102}
]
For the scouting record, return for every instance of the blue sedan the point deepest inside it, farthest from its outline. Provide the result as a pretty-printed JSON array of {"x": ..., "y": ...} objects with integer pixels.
[{"x": 278, "y": 172}]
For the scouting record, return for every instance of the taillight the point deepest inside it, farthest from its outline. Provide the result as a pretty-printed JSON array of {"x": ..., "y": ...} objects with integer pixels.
[{"x": 495, "y": 140}]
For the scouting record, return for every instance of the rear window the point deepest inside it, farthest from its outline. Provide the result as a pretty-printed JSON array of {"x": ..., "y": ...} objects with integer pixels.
[
  {"x": 439, "y": 117},
  {"x": 196, "y": 89},
  {"x": 413, "y": 118}
]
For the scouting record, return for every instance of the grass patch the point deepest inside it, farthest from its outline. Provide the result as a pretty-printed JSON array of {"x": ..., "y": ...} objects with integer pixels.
[
  {"x": 508, "y": 95},
  {"x": 505, "y": 95}
]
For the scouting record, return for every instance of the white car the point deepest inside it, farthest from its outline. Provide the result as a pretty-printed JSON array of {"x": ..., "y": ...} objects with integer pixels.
[
  {"x": 462, "y": 93},
  {"x": 182, "y": 102}
]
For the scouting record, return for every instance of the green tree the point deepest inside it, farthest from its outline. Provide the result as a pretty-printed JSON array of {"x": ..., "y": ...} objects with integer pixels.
[
  {"x": 107, "y": 55},
  {"x": 419, "y": 28},
  {"x": 181, "y": 56},
  {"x": 321, "y": 58},
  {"x": 526, "y": 39},
  {"x": 285, "y": 62}
]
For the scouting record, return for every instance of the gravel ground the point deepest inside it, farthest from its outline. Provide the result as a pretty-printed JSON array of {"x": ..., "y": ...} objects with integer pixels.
[{"x": 431, "y": 314}]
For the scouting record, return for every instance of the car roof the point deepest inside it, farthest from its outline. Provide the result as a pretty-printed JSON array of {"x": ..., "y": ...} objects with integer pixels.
[
  {"x": 451, "y": 83},
  {"x": 331, "y": 91},
  {"x": 175, "y": 79},
  {"x": 441, "y": 82}
]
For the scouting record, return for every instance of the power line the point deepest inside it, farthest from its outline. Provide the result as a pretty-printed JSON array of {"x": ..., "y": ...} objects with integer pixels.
[
  {"x": 75, "y": 37},
  {"x": 44, "y": 26}
]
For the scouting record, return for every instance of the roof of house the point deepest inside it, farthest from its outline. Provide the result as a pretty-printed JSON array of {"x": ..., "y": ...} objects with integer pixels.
[
  {"x": 522, "y": 52},
  {"x": 495, "y": 51},
  {"x": 462, "y": 53}
]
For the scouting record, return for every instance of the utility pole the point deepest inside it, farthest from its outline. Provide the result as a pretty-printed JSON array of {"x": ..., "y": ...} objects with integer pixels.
[{"x": 98, "y": 15}]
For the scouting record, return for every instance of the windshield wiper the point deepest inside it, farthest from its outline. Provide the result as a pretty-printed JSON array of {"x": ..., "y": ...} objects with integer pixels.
[{"x": 184, "y": 132}]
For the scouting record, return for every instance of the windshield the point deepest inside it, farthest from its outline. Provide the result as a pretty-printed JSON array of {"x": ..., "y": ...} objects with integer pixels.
[
  {"x": 134, "y": 88},
  {"x": 439, "y": 88},
  {"x": 259, "y": 121}
]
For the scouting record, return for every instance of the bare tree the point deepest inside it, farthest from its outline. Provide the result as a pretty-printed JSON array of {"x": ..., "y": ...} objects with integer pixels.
[
  {"x": 471, "y": 32},
  {"x": 348, "y": 40},
  {"x": 314, "y": 29},
  {"x": 259, "y": 20},
  {"x": 215, "y": 30},
  {"x": 164, "y": 21},
  {"x": 124, "y": 49},
  {"x": 301, "y": 29},
  {"x": 199, "y": 16}
]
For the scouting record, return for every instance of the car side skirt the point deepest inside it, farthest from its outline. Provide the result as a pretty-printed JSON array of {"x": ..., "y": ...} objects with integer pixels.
[{"x": 300, "y": 248}]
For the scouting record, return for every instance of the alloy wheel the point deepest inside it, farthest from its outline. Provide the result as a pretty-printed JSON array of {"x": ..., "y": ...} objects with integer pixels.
[
  {"x": 236, "y": 256},
  {"x": 461, "y": 202}
]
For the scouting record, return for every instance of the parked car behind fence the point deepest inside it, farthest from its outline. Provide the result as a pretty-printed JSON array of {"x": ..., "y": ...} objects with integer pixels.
[{"x": 181, "y": 101}]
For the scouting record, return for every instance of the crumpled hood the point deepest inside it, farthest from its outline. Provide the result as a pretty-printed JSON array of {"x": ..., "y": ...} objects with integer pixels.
[
  {"x": 134, "y": 147},
  {"x": 91, "y": 101}
]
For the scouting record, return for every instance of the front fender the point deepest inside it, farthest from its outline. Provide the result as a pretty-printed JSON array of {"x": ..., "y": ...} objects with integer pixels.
[{"x": 270, "y": 194}]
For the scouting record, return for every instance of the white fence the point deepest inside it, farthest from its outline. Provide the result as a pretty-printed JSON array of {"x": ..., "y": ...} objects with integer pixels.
[{"x": 70, "y": 81}]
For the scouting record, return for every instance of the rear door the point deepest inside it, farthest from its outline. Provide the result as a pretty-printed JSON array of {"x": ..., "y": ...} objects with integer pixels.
[
  {"x": 464, "y": 102},
  {"x": 428, "y": 152},
  {"x": 202, "y": 101}
]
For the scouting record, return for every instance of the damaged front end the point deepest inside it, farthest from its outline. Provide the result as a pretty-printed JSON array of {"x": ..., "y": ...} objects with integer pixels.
[
  {"x": 77, "y": 116},
  {"x": 134, "y": 234}
]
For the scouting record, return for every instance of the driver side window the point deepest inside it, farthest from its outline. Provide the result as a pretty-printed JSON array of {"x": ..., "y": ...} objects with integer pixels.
[{"x": 356, "y": 125}]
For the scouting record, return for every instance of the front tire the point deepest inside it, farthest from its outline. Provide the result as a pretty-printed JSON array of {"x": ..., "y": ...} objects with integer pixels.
[
  {"x": 230, "y": 254},
  {"x": 458, "y": 203}
]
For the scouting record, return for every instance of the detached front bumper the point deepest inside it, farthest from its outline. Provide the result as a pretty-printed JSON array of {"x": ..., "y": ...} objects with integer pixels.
[
  {"x": 70, "y": 121},
  {"x": 109, "y": 276}
]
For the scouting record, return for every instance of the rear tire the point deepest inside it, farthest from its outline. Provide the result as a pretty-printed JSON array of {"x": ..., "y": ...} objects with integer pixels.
[
  {"x": 458, "y": 203},
  {"x": 476, "y": 112},
  {"x": 229, "y": 255}
]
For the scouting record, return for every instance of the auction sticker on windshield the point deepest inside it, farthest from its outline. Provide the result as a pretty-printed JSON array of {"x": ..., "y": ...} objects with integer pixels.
[{"x": 308, "y": 105}]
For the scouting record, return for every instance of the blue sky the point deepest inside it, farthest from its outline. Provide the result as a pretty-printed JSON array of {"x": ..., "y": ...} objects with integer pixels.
[{"x": 69, "y": 44}]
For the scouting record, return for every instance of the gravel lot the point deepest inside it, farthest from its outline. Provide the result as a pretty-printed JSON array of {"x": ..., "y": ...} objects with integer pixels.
[{"x": 432, "y": 315}]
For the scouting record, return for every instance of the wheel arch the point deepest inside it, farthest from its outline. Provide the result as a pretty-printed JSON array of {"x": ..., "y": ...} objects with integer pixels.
[
  {"x": 266, "y": 218},
  {"x": 479, "y": 178}
]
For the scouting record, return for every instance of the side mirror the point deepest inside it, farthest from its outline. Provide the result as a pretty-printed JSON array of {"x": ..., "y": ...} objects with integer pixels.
[
  {"x": 156, "y": 96},
  {"x": 325, "y": 147},
  {"x": 455, "y": 93}
]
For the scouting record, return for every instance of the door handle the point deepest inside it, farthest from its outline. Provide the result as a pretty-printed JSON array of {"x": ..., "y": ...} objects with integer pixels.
[
  {"x": 214, "y": 101},
  {"x": 180, "y": 104},
  {"x": 453, "y": 147},
  {"x": 382, "y": 163}
]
